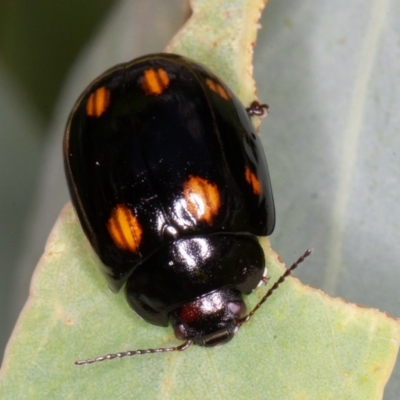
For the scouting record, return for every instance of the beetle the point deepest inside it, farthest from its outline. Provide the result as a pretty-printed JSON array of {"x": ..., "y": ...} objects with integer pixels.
[{"x": 171, "y": 186}]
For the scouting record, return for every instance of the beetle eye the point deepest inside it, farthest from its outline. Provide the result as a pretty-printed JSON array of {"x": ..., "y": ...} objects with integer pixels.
[
  {"x": 237, "y": 308},
  {"x": 180, "y": 331}
]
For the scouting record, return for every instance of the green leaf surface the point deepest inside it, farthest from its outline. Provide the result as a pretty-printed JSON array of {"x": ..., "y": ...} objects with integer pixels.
[{"x": 301, "y": 344}]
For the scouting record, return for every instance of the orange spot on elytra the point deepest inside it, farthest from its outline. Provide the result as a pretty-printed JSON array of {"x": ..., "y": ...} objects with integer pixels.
[
  {"x": 252, "y": 180},
  {"x": 98, "y": 102},
  {"x": 155, "y": 81},
  {"x": 202, "y": 199},
  {"x": 217, "y": 88},
  {"x": 124, "y": 228}
]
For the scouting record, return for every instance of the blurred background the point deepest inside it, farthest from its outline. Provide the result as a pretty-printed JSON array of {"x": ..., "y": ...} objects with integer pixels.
[
  {"x": 38, "y": 43},
  {"x": 330, "y": 75}
]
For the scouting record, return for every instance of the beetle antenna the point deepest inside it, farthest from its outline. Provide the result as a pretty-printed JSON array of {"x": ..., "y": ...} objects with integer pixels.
[
  {"x": 181, "y": 347},
  {"x": 246, "y": 318}
]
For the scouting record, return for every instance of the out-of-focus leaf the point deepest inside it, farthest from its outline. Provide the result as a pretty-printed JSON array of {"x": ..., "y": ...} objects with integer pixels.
[
  {"x": 20, "y": 159},
  {"x": 330, "y": 73}
]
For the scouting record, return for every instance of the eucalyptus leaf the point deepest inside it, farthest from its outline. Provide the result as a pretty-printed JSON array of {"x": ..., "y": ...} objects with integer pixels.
[{"x": 300, "y": 344}]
